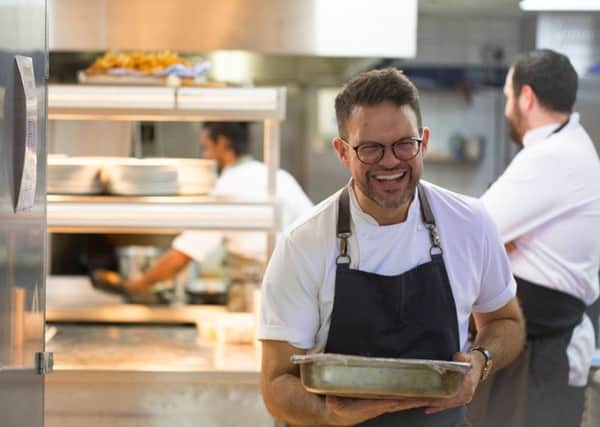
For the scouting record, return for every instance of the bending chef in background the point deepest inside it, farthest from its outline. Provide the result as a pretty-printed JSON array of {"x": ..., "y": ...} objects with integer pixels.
[
  {"x": 240, "y": 177},
  {"x": 547, "y": 208},
  {"x": 389, "y": 266}
]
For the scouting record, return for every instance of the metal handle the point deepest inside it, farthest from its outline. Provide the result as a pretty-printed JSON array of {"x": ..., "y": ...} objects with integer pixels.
[{"x": 25, "y": 135}]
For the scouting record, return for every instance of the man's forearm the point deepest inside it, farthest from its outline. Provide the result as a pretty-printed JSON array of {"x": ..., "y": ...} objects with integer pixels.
[
  {"x": 287, "y": 400},
  {"x": 165, "y": 268},
  {"x": 504, "y": 338}
]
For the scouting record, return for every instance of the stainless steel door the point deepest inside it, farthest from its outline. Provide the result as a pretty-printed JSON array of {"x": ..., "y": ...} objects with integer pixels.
[{"x": 22, "y": 209}]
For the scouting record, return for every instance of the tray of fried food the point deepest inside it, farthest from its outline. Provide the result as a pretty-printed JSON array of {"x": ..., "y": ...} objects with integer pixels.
[
  {"x": 144, "y": 63},
  {"x": 146, "y": 68}
]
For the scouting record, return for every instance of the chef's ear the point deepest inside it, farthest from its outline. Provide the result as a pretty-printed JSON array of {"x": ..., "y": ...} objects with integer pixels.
[
  {"x": 342, "y": 150},
  {"x": 527, "y": 98},
  {"x": 425, "y": 132}
]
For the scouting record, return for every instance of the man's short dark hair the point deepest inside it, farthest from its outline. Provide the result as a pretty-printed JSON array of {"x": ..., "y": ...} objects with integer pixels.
[
  {"x": 235, "y": 132},
  {"x": 551, "y": 76},
  {"x": 375, "y": 87}
]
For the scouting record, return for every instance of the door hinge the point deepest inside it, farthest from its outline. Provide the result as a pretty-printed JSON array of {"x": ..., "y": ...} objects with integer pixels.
[{"x": 44, "y": 362}]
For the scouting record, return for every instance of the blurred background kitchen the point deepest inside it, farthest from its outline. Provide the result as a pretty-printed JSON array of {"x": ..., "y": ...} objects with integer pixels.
[{"x": 188, "y": 359}]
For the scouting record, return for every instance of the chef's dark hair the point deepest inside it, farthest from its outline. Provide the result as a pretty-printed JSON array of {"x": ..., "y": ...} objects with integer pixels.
[
  {"x": 235, "y": 132},
  {"x": 372, "y": 88},
  {"x": 551, "y": 76}
]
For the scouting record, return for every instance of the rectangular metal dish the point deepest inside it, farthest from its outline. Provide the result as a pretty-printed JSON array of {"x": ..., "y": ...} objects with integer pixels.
[{"x": 370, "y": 377}]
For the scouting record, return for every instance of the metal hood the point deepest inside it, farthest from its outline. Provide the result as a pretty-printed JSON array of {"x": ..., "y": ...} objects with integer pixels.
[{"x": 355, "y": 28}]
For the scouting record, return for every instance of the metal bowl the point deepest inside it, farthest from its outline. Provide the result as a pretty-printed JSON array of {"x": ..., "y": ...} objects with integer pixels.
[{"x": 134, "y": 260}]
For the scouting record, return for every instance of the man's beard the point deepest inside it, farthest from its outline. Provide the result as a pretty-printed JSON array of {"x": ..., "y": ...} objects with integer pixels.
[
  {"x": 514, "y": 133},
  {"x": 403, "y": 198}
]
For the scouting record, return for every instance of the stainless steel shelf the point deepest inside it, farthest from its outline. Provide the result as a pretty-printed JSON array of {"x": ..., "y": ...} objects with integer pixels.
[
  {"x": 110, "y": 214},
  {"x": 148, "y": 103},
  {"x": 131, "y": 103}
]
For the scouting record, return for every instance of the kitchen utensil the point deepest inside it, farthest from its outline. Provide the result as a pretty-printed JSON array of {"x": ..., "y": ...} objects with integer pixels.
[
  {"x": 112, "y": 282},
  {"x": 108, "y": 281},
  {"x": 134, "y": 260}
]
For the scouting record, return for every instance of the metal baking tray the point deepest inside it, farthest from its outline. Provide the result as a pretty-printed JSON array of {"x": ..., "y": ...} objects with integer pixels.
[{"x": 371, "y": 377}]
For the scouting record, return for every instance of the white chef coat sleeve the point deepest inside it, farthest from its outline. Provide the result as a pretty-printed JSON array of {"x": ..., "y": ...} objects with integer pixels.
[
  {"x": 522, "y": 197},
  {"x": 198, "y": 244},
  {"x": 497, "y": 284},
  {"x": 289, "y": 307}
]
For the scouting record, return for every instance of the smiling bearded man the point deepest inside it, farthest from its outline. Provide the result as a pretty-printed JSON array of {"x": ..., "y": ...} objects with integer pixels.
[{"x": 389, "y": 266}]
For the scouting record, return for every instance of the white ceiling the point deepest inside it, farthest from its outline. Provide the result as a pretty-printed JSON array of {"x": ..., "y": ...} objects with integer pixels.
[{"x": 470, "y": 7}]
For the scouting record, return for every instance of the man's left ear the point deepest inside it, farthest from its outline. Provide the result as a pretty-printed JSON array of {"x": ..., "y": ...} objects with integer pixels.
[
  {"x": 527, "y": 98},
  {"x": 425, "y": 144}
]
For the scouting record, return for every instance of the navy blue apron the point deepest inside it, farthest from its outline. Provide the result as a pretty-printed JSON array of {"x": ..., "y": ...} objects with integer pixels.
[
  {"x": 534, "y": 391},
  {"x": 411, "y": 315}
]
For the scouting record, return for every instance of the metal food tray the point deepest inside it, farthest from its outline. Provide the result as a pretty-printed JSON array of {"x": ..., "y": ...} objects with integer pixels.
[{"x": 371, "y": 377}]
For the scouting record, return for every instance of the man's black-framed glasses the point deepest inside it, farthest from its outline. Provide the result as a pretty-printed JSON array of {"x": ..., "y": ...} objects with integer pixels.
[{"x": 372, "y": 152}]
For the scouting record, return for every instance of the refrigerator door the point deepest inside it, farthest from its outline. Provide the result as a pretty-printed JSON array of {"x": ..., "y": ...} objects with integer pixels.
[{"x": 23, "y": 65}]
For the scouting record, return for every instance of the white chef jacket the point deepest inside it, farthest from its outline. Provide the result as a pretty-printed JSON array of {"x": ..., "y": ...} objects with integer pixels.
[
  {"x": 247, "y": 180},
  {"x": 298, "y": 287},
  {"x": 548, "y": 202}
]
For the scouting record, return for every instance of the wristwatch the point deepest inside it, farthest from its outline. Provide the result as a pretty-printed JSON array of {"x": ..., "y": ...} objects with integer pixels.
[{"x": 487, "y": 367}]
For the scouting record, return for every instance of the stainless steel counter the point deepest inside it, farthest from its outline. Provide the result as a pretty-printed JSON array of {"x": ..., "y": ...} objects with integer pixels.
[
  {"x": 150, "y": 349},
  {"x": 131, "y": 375},
  {"x": 73, "y": 299}
]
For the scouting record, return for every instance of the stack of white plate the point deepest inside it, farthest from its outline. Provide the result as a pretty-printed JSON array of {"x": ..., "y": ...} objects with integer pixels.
[
  {"x": 134, "y": 177},
  {"x": 73, "y": 176},
  {"x": 194, "y": 176}
]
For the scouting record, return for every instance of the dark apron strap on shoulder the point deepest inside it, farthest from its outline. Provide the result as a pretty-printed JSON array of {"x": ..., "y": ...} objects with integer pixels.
[
  {"x": 429, "y": 221},
  {"x": 343, "y": 222},
  {"x": 426, "y": 212}
]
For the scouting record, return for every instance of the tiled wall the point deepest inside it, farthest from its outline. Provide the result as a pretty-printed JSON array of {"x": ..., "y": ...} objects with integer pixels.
[{"x": 458, "y": 39}]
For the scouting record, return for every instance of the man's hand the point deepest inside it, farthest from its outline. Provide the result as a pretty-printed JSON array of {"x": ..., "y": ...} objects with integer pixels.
[
  {"x": 346, "y": 411},
  {"x": 135, "y": 285},
  {"x": 467, "y": 387}
]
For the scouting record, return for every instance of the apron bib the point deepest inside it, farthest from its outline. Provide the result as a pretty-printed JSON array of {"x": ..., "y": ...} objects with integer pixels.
[{"x": 411, "y": 315}]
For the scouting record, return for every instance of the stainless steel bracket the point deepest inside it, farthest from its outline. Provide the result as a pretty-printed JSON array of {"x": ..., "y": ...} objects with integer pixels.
[{"x": 44, "y": 362}]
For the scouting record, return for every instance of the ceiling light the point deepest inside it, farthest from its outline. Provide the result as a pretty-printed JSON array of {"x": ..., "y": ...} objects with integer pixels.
[{"x": 560, "y": 5}]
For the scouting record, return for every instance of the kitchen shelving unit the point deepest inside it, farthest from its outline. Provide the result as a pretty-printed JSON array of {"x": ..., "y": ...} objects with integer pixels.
[{"x": 113, "y": 214}]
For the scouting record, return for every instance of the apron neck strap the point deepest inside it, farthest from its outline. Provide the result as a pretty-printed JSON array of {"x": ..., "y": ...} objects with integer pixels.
[
  {"x": 343, "y": 226},
  {"x": 344, "y": 231},
  {"x": 343, "y": 220},
  {"x": 559, "y": 128},
  {"x": 426, "y": 213},
  {"x": 429, "y": 221}
]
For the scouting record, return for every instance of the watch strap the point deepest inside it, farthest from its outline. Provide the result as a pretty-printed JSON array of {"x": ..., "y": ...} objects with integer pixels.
[{"x": 487, "y": 366}]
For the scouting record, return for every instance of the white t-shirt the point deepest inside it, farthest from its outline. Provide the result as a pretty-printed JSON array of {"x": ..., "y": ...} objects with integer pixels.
[
  {"x": 548, "y": 202},
  {"x": 246, "y": 180},
  {"x": 298, "y": 287}
]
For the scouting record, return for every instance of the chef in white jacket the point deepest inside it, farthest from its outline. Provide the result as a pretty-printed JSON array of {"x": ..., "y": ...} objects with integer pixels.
[
  {"x": 241, "y": 177},
  {"x": 547, "y": 208}
]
